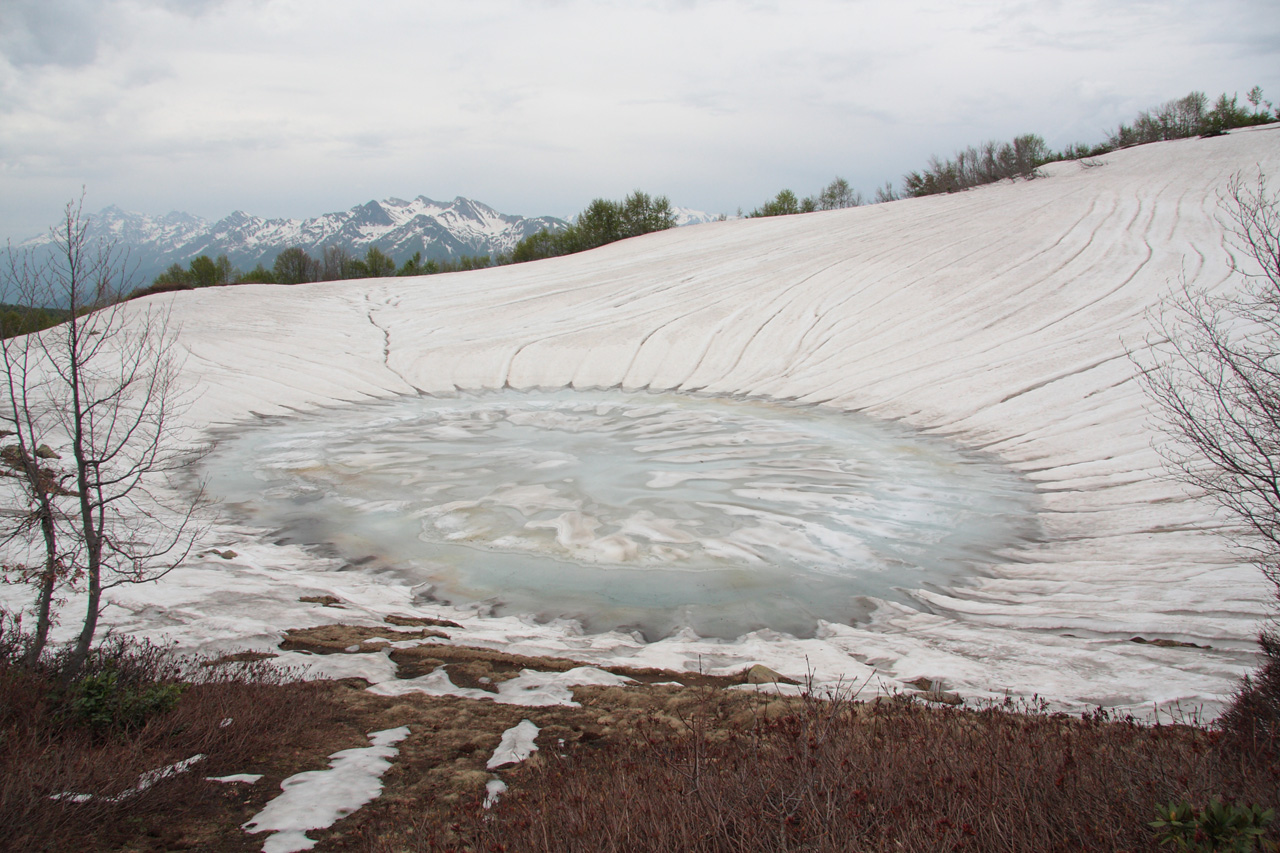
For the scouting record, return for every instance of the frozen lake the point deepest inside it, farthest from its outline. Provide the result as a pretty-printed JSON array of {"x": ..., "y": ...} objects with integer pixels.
[
  {"x": 399, "y": 480},
  {"x": 631, "y": 511}
]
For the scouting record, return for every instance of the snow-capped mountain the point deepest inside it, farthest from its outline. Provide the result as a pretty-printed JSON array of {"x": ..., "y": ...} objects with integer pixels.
[
  {"x": 439, "y": 230},
  {"x": 689, "y": 216}
]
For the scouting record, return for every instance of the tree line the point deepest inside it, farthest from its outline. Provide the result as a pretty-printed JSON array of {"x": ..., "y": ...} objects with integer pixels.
[
  {"x": 295, "y": 265},
  {"x": 603, "y": 222},
  {"x": 994, "y": 161}
]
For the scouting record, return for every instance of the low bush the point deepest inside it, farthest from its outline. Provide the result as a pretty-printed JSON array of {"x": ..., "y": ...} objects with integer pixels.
[
  {"x": 1219, "y": 826},
  {"x": 1252, "y": 720},
  {"x": 887, "y": 775},
  {"x": 74, "y": 756}
]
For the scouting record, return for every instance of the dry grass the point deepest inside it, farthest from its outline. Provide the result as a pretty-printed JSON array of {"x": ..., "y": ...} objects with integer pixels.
[
  {"x": 647, "y": 768},
  {"x": 885, "y": 775},
  {"x": 229, "y": 715}
]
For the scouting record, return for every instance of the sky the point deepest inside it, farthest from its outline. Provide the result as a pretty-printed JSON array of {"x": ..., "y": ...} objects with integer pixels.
[{"x": 294, "y": 108}]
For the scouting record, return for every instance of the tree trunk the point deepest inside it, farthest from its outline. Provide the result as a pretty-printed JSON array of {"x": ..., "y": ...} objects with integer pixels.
[{"x": 44, "y": 594}]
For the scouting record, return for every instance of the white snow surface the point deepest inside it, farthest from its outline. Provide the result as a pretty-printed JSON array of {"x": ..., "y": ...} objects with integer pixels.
[
  {"x": 998, "y": 317},
  {"x": 516, "y": 745},
  {"x": 236, "y": 778},
  {"x": 530, "y": 688},
  {"x": 145, "y": 781},
  {"x": 493, "y": 789},
  {"x": 317, "y": 799}
]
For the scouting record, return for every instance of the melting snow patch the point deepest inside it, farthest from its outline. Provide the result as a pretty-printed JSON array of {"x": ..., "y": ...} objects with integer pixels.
[
  {"x": 246, "y": 778},
  {"x": 145, "y": 781},
  {"x": 529, "y": 688},
  {"x": 493, "y": 789},
  {"x": 317, "y": 799},
  {"x": 517, "y": 745}
]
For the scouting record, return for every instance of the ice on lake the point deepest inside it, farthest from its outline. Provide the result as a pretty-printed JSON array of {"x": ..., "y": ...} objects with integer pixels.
[{"x": 631, "y": 510}]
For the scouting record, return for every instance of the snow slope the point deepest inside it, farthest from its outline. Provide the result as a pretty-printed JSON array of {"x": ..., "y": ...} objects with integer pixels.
[{"x": 998, "y": 316}]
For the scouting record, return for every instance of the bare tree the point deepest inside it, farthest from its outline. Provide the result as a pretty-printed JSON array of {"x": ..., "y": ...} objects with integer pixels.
[
  {"x": 35, "y": 483},
  {"x": 1217, "y": 379},
  {"x": 103, "y": 386}
]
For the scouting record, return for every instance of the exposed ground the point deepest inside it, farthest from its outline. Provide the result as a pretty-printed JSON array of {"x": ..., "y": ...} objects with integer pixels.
[{"x": 675, "y": 761}]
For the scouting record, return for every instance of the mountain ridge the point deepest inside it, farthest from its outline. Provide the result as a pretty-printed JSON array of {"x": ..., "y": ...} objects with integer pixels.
[{"x": 438, "y": 230}]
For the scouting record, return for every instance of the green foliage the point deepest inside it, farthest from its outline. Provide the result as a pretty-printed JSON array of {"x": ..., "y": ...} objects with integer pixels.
[
  {"x": 106, "y": 702},
  {"x": 784, "y": 203},
  {"x": 838, "y": 195},
  {"x": 992, "y": 161},
  {"x": 257, "y": 275},
  {"x": 377, "y": 264},
  {"x": 834, "y": 196},
  {"x": 1189, "y": 116},
  {"x": 415, "y": 266},
  {"x": 23, "y": 320},
  {"x": 202, "y": 271},
  {"x": 295, "y": 266},
  {"x": 1217, "y": 828},
  {"x": 603, "y": 222},
  {"x": 544, "y": 244}
]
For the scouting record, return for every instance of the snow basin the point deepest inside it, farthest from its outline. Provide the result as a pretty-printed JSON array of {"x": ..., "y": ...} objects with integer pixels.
[{"x": 634, "y": 511}]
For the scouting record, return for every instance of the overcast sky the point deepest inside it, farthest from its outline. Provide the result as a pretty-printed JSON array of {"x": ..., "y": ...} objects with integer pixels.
[{"x": 300, "y": 107}]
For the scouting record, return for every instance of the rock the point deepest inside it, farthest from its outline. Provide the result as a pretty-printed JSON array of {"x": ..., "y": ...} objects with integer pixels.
[
  {"x": 326, "y": 600},
  {"x": 761, "y": 674},
  {"x": 420, "y": 622},
  {"x": 943, "y": 697},
  {"x": 931, "y": 690},
  {"x": 348, "y": 639},
  {"x": 1167, "y": 644}
]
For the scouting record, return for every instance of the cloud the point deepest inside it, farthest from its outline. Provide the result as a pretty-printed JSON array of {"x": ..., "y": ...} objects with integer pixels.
[
  {"x": 50, "y": 32},
  {"x": 70, "y": 32},
  {"x": 301, "y": 106}
]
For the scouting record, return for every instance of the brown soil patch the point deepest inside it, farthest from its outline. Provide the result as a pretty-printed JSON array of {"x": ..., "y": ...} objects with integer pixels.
[
  {"x": 349, "y": 639},
  {"x": 441, "y": 762},
  {"x": 420, "y": 621}
]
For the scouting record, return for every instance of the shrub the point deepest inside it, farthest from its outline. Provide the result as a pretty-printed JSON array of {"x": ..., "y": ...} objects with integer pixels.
[
  {"x": 1252, "y": 720},
  {"x": 882, "y": 776},
  {"x": 230, "y": 713},
  {"x": 603, "y": 222},
  {"x": 1217, "y": 827},
  {"x": 105, "y": 703}
]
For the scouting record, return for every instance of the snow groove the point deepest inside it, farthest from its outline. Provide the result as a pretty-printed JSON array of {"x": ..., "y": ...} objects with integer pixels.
[{"x": 997, "y": 316}]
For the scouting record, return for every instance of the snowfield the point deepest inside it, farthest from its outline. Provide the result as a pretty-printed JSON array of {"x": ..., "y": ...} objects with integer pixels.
[{"x": 998, "y": 317}]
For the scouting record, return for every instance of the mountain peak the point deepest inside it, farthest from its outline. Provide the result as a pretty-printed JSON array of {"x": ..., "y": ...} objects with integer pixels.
[{"x": 397, "y": 227}]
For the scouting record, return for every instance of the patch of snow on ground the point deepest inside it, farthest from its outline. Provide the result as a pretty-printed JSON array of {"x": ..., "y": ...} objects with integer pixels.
[
  {"x": 493, "y": 789},
  {"x": 516, "y": 745},
  {"x": 529, "y": 688},
  {"x": 316, "y": 799},
  {"x": 145, "y": 781}
]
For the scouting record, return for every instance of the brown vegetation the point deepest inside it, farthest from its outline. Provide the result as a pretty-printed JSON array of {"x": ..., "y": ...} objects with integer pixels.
[
  {"x": 678, "y": 761},
  {"x": 885, "y": 775}
]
